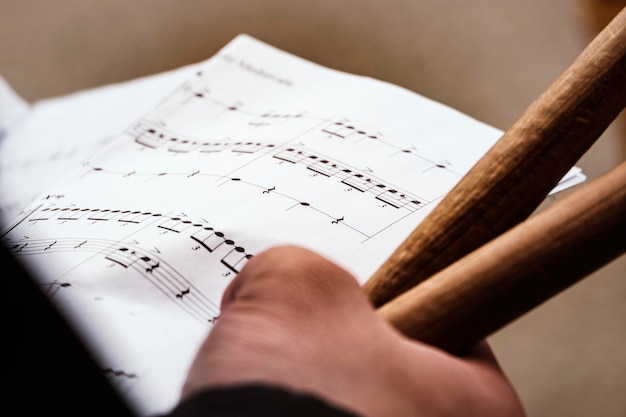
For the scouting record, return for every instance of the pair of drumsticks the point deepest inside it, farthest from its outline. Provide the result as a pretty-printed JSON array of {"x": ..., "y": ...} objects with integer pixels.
[{"x": 480, "y": 260}]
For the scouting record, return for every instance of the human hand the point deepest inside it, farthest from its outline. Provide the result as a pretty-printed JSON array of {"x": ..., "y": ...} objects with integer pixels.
[{"x": 295, "y": 320}]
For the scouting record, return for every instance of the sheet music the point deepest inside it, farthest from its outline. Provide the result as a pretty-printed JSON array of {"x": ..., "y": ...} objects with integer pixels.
[
  {"x": 254, "y": 148},
  {"x": 47, "y": 139}
]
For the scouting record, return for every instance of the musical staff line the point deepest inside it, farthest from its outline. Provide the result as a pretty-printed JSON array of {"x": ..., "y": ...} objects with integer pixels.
[
  {"x": 130, "y": 255},
  {"x": 382, "y": 198},
  {"x": 357, "y": 179},
  {"x": 153, "y": 268},
  {"x": 329, "y": 127}
]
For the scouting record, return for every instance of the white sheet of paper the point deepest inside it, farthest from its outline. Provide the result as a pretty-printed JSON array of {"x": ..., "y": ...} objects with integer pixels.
[
  {"x": 45, "y": 141},
  {"x": 250, "y": 149},
  {"x": 13, "y": 108}
]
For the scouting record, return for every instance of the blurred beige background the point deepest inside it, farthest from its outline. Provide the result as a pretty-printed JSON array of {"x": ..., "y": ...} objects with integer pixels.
[{"x": 487, "y": 58}]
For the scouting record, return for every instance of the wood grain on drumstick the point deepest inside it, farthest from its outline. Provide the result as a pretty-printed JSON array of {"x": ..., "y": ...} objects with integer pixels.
[
  {"x": 519, "y": 171},
  {"x": 510, "y": 275}
]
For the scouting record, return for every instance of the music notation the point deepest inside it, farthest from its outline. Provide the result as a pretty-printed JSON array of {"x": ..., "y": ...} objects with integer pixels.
[
  {"x": 273, "y": 119},
  {"x": 139, "y": 238},
  {"x": 344, "y": 130},
  {"x": 149, "y": 263}
]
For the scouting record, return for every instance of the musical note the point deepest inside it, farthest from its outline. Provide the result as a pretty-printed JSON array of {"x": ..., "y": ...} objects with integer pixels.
[
  {"x": 19, "y": 247},
  {"x": 80, "y": 244},
  {"x": 71, "y": 214},
  {"x": 358, "y": 182},
  {"x": 398, "y": 200},
  {"x": 58, "y": 196},
  {"x": 175, "y": 224},
  {"x": 181, "y": 146},
  {"x": 336, "y": 221},
  {"x": 123, "y": 257},
  {"x": 151, "y": 264},
  {"x": 323, "y": 167},
  {"x": 210, "y": 239},
  {"x": 235, "y": 259},
  {"x": 273, "y": 118},
  {"x": 181, "y": 294},
  {"x": 250, "y": 147},
  {"x": 289, "y": 155},
  {"x": 149, "y": 138},
  {"x": 343, "y": 130},
  {"x": 134, "y": 217}
]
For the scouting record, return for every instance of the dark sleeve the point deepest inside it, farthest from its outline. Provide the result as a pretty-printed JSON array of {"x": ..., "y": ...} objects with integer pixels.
[{"x": 255, "y": 401}]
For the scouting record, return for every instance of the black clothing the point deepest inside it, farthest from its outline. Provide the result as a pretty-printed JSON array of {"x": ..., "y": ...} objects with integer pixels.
[{"x": 255, "y": 401}]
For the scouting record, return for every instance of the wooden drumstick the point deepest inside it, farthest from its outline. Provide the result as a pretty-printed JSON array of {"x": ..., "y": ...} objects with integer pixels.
[
  {"x": 519, "y": 270},
  {"x": 519, "y": 171}
]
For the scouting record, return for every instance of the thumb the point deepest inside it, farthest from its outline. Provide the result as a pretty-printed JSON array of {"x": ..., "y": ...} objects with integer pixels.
[
  {"x": 278, "y": 316},
  {"x": 293, "y": 282}
]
